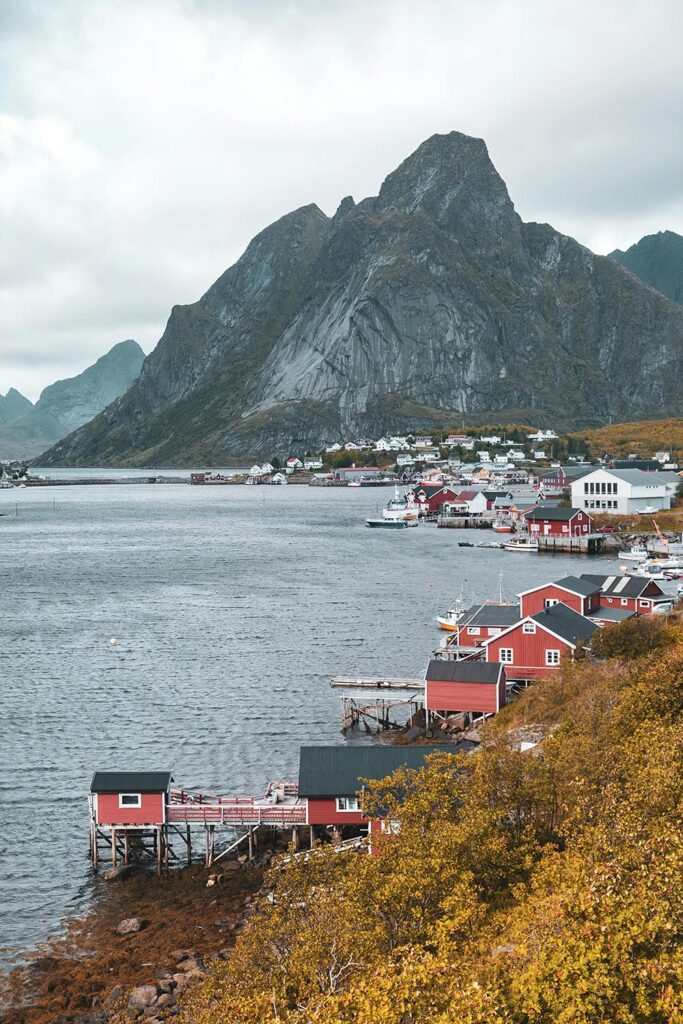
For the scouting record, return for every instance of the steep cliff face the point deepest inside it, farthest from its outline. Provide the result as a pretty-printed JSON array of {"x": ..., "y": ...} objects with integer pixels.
[
  {"x": 658, "y": 261},
  {"x": 67, "y": 404},
  {"x": 424, "y": 303}
]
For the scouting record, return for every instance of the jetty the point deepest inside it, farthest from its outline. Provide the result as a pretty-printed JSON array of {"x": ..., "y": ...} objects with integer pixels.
[{"x": 348, "y": 683}]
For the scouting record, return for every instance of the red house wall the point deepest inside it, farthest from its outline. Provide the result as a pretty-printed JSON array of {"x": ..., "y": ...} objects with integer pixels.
[
  {"x": 324, "y": 812},
  {"x": 150, "y": 813},
  {"x": 533, "y": 603},
  {"x": 528, "y": 659},
  {"x": 449, "y": 696},
  {"x": 476, "y": 640},
  {"x": 437, "y": 500},
  {"x": 555, "y": 527},
  {"x": 633, "y": 603}
]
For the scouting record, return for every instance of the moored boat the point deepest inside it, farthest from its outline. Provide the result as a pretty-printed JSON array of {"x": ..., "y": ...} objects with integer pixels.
[
  {"x": 637, "y": 553},
  {"x": 521, "y": 544},
  {"x": 388, "y": 524},
  {"x": 501, "y": 527}
]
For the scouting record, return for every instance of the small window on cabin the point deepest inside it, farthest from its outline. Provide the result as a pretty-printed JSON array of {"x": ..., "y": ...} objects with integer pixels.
[
  {"x": 644, "y": 604},
  {"x": 473, "y": 630},
  {"x": 529, "y": 627},
  {"x": 130, "y": 800},
  {"x": 550, "y": 601},
  {"x": 348, "y": 803},
  {"x": 552, "y": 657},
  {"x": 624, "y": 602},
  {"x": 506, "y": 655}
]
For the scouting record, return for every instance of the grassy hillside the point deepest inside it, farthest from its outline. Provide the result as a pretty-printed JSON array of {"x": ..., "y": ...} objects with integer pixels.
[
  {"x": 644, "y": 438},
  {"x": 522, "y": 888}
]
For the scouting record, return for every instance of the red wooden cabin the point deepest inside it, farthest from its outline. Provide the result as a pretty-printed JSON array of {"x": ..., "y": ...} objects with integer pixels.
[
  {"x": 540, "y": 643},
  {"x": 482, "y": 621},
  {"x": 130, "y": 798},
  {"x": 631, "y": 593},
  {"x": 558, "y": 522},
  {"x": 430, "y": 497},
  {"x": 331, "y": 778},
  {"x": 477, "y": 687},
  {"x": 578, "y": 593}
]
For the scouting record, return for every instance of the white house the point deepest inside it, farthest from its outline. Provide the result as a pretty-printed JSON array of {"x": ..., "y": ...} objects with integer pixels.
[
  {"x": 292, "y": 464},
  {"x": 491, "y": 439},
  {"x": 621, "y": 491},
  {"x": 459, "y": 441},
  {"x": 405, "y": 460},
  {"x": 256, "y": 471},
  {"x": 467, "y": 503},
  {"x": 423, "y": 442},
  {"x": 483, "y": 457},
  {"x": 663, "y": 457},
  {"x": 516, "y": 456},
  {"x": 266, "y": 468},
  {"x": 332, "y": 448},
  {"x": 542, "y": 435},
  {"x": 500, "y": 460},
  {"x": 313, "y": 462}
]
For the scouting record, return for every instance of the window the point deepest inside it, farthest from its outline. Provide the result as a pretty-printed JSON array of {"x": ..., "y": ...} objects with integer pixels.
[
  {"x": 473, "y": 631},
  {"x": 644, "y": 604},
  {"x": 624, "y": 602},
  {"x": 130, "y": 800},
  {"x": 550, "y": 601},
  {"x": 552, "y": 657},
  {"x": 529, "y": 627},
  {"x": 348, "y": 803},
  {"x": 585, "y": 488},
  {"x": 506, "y": 655}
]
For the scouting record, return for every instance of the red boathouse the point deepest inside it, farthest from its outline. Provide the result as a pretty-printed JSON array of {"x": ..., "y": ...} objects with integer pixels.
[
  {"x": 477, "y": 687},
  {"x": 632, "y": 593},
  {"x": 130, "y": 798},
  {"x": 545, "y": 521}
]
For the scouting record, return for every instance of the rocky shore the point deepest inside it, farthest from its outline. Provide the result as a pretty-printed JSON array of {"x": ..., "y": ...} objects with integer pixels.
[{"x": 135, "y": 953}]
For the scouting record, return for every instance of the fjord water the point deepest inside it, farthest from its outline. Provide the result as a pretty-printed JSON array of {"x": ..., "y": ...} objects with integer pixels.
[{"x": 232, "y": 608}]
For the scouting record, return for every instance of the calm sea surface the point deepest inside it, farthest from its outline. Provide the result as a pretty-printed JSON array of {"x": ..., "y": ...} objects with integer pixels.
[{"x": 233, "y": 607}]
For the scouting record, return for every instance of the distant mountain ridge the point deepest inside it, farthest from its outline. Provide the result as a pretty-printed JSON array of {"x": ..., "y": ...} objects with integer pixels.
[
  {"x": 13, "y": 404},
  {"x": 428, "y": 303},
  {"x": 67, "y": 404},
  {"x": 658, "y": 261}
]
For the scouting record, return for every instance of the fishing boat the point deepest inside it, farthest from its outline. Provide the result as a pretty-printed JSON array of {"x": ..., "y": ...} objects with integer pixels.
[
  {"x": 449, "y": 622},
  {"x": 649, "y": 572},
  {"x": 521, "y": 544},
  {"x": 465, "y": 544},
  {"x": 388, "y": 524},
  {"x": 501, "y": 527},
  {"x": 637, "y": 553},
  {"x": 353, "y": 483},
  {"x": 489, "y": 544},
  {"x": 403, "y": 508}
]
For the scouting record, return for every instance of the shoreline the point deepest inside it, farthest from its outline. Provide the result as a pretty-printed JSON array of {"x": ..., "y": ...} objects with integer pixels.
[{"x": 85, "y": 974}]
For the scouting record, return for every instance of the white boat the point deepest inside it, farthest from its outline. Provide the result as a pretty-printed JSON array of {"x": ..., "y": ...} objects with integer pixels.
[
  {"x": 637, "y": 553},
  {"x": 449, "y": 621},
  {"x": 521, "y": 544},
  {"x": 666, "y": 562},
  {"x": 402, "y": 508},
  {"x": 646, "y": 572},
  {"x": 647, "y": 511}
]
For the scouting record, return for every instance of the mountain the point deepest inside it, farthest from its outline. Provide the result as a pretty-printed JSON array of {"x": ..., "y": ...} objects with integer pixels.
[
  {"x": 68, "y": 404},
  {"x": 658, "y": 261},
  {"x": 429, "y": 302},
  {"x": 13, "y": 404}
]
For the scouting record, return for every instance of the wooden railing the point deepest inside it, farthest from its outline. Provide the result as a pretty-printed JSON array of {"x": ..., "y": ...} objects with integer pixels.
[{"x": 244, "y": 811}]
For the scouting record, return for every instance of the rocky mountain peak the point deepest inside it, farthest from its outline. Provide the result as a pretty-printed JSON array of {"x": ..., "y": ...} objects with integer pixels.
[{"x": 658, "y": 261}]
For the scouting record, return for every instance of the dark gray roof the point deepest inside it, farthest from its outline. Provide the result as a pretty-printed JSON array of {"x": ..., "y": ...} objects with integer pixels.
[
  {"x": 552, "y": 512},
  {"x": 621, "y": 586},
  {"x": 608, "y": 614},
  {"x": 464, "y": 671},
  {"x": 130, "y": 782},
  {"x": 577, "y": 585},
  {"x": 491, "y": 615},
  {"x": 337, "y": 771},
  {"x": 566, "y": 623}
]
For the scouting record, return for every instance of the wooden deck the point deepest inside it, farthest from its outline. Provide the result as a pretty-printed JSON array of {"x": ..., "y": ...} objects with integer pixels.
[
  {"x": 347, "y": 683},
  {"x": 588, "y": 544},
  {"x": 240, "y": 813}
]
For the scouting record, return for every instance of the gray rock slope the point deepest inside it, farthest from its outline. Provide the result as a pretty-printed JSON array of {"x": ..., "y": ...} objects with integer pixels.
[
  {"x": 429, "y": 302},
  {"x": 13, "y": 404},
  {"x": 658, "y": 261},
  {"x": 68, "y": 404}
]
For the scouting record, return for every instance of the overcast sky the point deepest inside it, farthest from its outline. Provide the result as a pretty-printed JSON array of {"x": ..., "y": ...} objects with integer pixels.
[{"x": 144, "y": 142}]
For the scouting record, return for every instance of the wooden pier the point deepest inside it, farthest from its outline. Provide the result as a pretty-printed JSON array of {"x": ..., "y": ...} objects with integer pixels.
[
  {"x": 376, "y": 716},
  {"x": 347, "y": 683},
  {"x": 588, "y": 544},
  {"x": 464, "y": 523}
]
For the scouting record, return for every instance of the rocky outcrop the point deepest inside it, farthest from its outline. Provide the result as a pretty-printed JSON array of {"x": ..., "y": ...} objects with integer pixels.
[
  {"x": 428, "y": 303},
  {"x": 658, "y": 261},
  {"x": 67, "y": 404}
]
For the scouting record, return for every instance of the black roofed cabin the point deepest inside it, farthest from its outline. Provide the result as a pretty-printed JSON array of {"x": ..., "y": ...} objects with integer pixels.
[
  {"x": 331, "y": 777},
  {"x": 130, "y": 798}
]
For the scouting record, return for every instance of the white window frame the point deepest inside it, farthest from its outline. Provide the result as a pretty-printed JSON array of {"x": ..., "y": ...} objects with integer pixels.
[
  {"x": 624, "y": 602},
  {"x": 552, "y": 656},
  {"x": 473, "y": 631},
  {"x": 529, "y": 627},
  {"x": 507, "y": 655},
  {"x": 348, "y": 804},
  {"x": 550, "y": 602},
  {"x": 128, "y": 806}
]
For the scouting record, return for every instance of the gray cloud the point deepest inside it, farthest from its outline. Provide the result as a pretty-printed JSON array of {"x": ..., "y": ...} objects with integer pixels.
[{"x": 143, "y": 143}]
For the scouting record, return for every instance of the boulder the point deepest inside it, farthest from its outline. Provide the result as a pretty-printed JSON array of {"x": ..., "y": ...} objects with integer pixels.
[
  {"x": 115, "y": 874},
  {"x": 182, "y": 954},
  {"x": 412, "y": 734},
  {"x": 114, "y": 995},
  {"x": 142, "y": 997},
  {"x": 181, "y": 982},
  {"x": 165, "y": 999},
  {"x": 129, "y": 926}
]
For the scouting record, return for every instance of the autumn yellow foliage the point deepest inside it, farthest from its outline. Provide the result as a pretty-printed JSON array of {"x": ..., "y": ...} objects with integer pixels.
[
  {"x": 543, "y": 887},
  {"x": 641, "y": 438}
]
